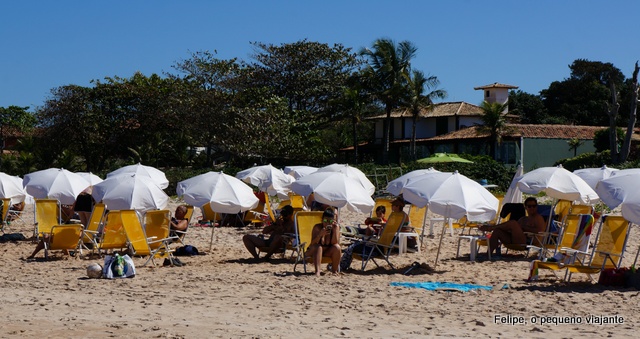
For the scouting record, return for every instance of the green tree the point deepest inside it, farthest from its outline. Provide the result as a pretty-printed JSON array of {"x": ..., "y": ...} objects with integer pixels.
[
  {"x": 419, "y": 97},
  {"x": 494, "y": 123},
  {"x": 14, "y": 121},
  {"x": 582, "y": 98},
  {"x": 574, "y": 144},
  {"x": 530, "y": 108},
  {"x": 389, "y": 66}
]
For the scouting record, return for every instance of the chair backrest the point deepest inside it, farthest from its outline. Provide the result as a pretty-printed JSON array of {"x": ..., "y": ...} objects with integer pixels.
[
  {"x": 581, "y": 209},
  {"x": 512, "y": 211},
  {"x": 297, "y": 202},
  {"x": 65, "y": 237},
  {"x": 157, "y": 225},
  {"x": 135, "y": 233},
  {"x": 96, "y": 217},
  {"x": 47, "y": 215},
  {"x": 208, "y": 213},
  {"x": 562, "y": 209},
  {"x": 6, "y": 203},
  {"x": 612, "y": 239},
  {"x": 113, "y": 235},
  {"x": 189, "y": 213},
  {"x": 577, "y": 231},
  {"x": 304, "y": 221},
  {"x": 269, "y": 208},
  {"x": 395, "y": 221},
  {"x": 386, "y": 202},
  {"x": 417, "y": 217}
]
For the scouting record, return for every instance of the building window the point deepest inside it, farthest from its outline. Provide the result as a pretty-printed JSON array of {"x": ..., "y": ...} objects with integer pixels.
[
  {"x": 442, "y": 125},
  {"x": 487, "y": 94}
]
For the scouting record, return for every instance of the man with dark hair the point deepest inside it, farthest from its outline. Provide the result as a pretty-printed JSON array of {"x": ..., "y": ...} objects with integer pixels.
[
  {"x": 283, "y": 225},
  {"x": 512, "y": 231}
]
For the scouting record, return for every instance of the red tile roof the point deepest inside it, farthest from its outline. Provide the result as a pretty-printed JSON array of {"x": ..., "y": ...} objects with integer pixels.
[
  {"x": 443, "y": 109},
  {"x": 496, "y": 85}
]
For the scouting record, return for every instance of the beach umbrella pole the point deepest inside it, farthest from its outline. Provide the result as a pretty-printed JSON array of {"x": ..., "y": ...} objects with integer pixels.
[{"x": 444, "y": 227}]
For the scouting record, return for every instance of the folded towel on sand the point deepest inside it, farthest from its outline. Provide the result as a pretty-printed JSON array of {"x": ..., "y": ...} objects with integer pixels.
[{"x": 433, "y": 286}]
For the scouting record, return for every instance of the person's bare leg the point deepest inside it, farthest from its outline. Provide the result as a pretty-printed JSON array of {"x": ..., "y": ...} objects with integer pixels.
[
  {"x": 38, "y": 248},
  {"x": 334, "y": 252},
  {"x": 317, "y": 259},
  {"x": 276, "y": 244},
  {"x": 251, "y": 242}
]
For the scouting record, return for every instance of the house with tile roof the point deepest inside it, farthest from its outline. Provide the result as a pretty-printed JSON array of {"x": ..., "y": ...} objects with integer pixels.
[{"x": 453, "y": 127}]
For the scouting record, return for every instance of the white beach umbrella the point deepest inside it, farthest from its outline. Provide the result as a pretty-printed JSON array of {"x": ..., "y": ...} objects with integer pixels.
[
  {"x": 592, "y": 175},
  {"x": 513, "y": 194},
  {"x": 90, "y": 177},
  {"x": 223, "y": 192},
  {"x": 157, "y": 175},
  {"x": 55, "y": 183},
  {"x": 622, "y": 189},
  {"x": 11, "y": 187},
  {"x": 298, "y": 172},
  {"x": 268, "y": 179},
  {"x": 351, "y": 172},
  {"x": 130, "y": 192},
  {"x": 451, "y": 195},
  {"x": 395, "y": 186},
  {"x": 335, "y": 189},
  {"x": 558, "y": 183}
]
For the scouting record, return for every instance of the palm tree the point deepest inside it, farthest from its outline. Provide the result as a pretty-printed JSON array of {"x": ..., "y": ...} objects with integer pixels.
[
  {"x": 387, "y": 72},
  {"x": 417, "y": 99},
  {"x": 494, "y": 123}
]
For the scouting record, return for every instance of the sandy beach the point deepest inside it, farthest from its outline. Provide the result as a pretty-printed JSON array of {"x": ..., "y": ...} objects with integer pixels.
[{"x": 226, "y": 294}]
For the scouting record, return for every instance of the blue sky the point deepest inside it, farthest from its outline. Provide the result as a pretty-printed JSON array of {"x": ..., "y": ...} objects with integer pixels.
[{"x": 46, "y": 44}]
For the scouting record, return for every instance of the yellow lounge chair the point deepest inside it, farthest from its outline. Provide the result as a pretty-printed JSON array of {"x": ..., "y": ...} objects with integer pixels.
[
  {"x": 304, "y": 222},
  {"x": 63, "y": 237},
  {"x": 47, "y": 214},
  {"x": 91, "y": 234},
  {"x": 153, "y": 240},
  {"x": 113, "y": 234},
  {"x": 6, "y": 203},
  {"x": 381, "y": 247},
  {"x": 608, "y": 250}
]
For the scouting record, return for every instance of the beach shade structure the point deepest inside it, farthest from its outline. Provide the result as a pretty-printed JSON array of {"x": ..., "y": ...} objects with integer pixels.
[
  {"x": 559, "y": 184},
  {"x": 298, "y": 172},
  {"x": 439, "y": 158},
  {"x": 395, "y": 186},
  {"x": 353, "y": 173},
  {"x": 90, "y": 177},
  {"x": 453, "y": 196},
  {"x": 224, "y": 193},
  {"x": 335, "y": 189},
  {"x": 593, "y": 175},
  {"x": 130, "y": 192},
  {"x": 267, "y": 179},
  {"x": 622, "y": 189},
  {"x": 11, "y": 188},
  {"x": 55, "y": 183},
  {"x": 141, "y": 170},
  {"x": 513, "y": 194}
]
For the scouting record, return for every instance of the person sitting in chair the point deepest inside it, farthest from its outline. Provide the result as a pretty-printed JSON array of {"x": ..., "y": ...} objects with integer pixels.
[
  {"x": 15, "y": 210},
  {"x": 283, "y": 225},
  {"x": 179, "y": 222},
  {"x": 379, "y": 220},
  {"x": 325, "y": 242},
  {"x": 512, "y": 231}
]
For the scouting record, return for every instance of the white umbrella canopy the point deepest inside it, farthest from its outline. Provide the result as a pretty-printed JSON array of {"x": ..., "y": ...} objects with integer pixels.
[
  {"x": 11, "y": 187},
  {"x": 223, "y": 192},
  {"x": 157, "y": 175},
  {"x": 451, "y": 195},
  {"x": 268, "y": 179},
  {"x": 592, "y": 175},
  {"x": 130, "y": 192},
  {"x": 335, "y": 189},
  {"x": 622, "y": 189},
  {"x": 351, "y": 172},
  {"x": 298, "y": 172},
  {"x": 513, "y": 194},
  {"x": 55, "y": 183},
  {"x": 90, "y": 177},
  {"x": 396, "y": 185},
  {"x": 558, "y": 183}
]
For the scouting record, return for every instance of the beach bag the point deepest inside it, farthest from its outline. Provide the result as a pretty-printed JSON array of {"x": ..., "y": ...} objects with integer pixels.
[
  {"x": 613, "y": 276},
  {"x": 187, "y": 251},
  {"x": 118, "y": 266}
]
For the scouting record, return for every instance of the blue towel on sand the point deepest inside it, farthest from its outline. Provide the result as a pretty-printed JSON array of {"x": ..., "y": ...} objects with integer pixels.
[{"x": 432, "y": 286}]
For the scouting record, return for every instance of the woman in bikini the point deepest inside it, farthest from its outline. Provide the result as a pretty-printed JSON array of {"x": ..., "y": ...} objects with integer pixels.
[{"x": 325, "y": 242}]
